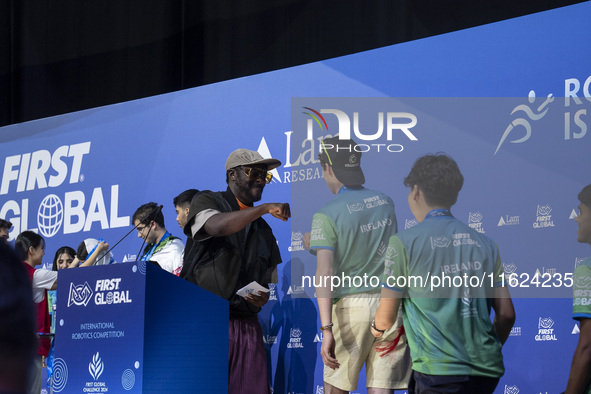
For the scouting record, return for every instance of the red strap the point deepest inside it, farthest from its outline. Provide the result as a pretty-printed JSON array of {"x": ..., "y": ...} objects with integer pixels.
[{"x": 386, "y": 347}]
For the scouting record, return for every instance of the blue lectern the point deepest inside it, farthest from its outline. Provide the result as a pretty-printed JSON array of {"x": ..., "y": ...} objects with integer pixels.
[{"x": 136, "y": 328}]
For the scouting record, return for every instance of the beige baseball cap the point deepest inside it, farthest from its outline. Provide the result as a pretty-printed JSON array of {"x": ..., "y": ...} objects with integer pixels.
[{"x": 245, "y": 157}]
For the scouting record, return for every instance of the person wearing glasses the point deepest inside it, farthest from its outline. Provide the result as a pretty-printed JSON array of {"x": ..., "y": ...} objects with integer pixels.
[
  {"x": 349, "y": 238},
  {"x": 161, "y": 246},
  {"x": 234, "y": 246}
]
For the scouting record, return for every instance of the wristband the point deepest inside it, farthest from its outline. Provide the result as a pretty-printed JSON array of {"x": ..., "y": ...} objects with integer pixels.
[
  {"x": 373, "y": 325},
  {"x": 326, "y": 327}
]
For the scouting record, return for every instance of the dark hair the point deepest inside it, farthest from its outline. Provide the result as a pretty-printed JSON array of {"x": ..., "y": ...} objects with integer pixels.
[
  {"x": 81, "y": 252},
  {"x": 18, "y": 341},
  {"x": 585, "y": 196},
  {"x": 148, "y": 212},
  {"x": 5, "y": 224},
  {"x": 438, "y": 177},
  {"x": 60, "y": 251},
  {"x": 184, "y": 198},
  {"x": 24, "y": 241}
]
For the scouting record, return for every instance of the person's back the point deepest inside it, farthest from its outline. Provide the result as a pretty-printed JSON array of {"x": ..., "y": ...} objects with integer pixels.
[
  {"x": 447, "y": 277},
  {"x": 362, "y": 221},
  {"x": 447, "y": 320}
]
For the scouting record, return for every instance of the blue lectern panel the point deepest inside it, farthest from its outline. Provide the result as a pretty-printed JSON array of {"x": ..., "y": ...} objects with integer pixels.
[
  {"x": 135, "y": 328},
  {"x": 99, "y": 333}
]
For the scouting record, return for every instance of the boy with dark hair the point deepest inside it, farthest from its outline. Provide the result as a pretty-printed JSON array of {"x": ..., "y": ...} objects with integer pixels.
[
  {"x": 579, "y": 380},
  {"x": 454, "y": 346},
  {"x": 182, "y": 203},
  {"x": 5, "y": 227},
  {"x": 162, "y": 246}
]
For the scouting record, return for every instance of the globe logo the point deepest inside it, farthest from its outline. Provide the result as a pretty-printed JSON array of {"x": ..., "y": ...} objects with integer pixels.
[{"x": 50, "y": 215}]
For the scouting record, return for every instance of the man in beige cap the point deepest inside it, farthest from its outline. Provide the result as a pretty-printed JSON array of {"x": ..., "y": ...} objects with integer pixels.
[{"x": 233, "y": 247}]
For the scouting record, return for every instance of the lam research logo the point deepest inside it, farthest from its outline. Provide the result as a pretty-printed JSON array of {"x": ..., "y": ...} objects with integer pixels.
[
  {"x": 508, "y": 221},
  {"x": 50, "y": 215},
  {"x": 515, "y": 332},
  {"x": 521, "y": 127},
  {"x": 318, "y": 338},
  {"x": 96, "y": 367},
  {"x": 576, "y": 330},
  {"x": 264, "y": 151},
  {"x": 79, "y": 294},
  {"x": 295, "y": 290},
  {"x": 573, "y": 214},
  {"x": 357, "y": 207},
  {"x": 440, "y": 242},
  {"x": 408, "y": 223},
  {"x": 578, "y": 261},
  {"x": 543, "y": 217},
  {"x": 129, "y": 257},
  {"x": 511, "y": 390}
]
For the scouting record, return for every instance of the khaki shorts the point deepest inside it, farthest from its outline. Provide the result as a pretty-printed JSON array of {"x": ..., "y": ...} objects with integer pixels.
[{"x": 355, "y": 346}]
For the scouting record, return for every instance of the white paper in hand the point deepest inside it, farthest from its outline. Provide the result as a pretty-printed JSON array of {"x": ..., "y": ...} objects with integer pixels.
[{"x": 252, "y": 287}]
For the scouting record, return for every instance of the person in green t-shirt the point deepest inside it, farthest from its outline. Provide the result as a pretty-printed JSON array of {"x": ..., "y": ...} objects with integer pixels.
[
  {"x": 455, "y": 348},
  {"x": 349, "y": 238},
  {"x": 579, "y": 379}
]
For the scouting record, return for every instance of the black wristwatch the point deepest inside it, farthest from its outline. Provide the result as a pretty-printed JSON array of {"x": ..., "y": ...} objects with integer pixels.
[{"x": 373, "y": 325}]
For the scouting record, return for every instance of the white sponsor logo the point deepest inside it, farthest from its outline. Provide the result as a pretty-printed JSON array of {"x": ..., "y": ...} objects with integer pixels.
[
  {"x": 297, "y": 243},
  {"x": 576, "y": 330},
  {"x": 295, "y": 340},
  {"x": 440, "y": 242},
  {"x": 515, "y": 332},
  {"x": 521, "y": 127},
  {"x": 410, "y": 223},
  {"x": 545, "y": 330},
  {"x": 509, "y": 268},
  {"x": 511, "y": 390},
  {"x": 79, "y": 294},
  {"x": 543, "y": 218},
  {"x": 96, "y": 367},
  {"x": 508, "y": 221},
  {"x": 71, "y": 211},
  {"x": 475, "y": 221},
  {"x": 357, "y": 207}
]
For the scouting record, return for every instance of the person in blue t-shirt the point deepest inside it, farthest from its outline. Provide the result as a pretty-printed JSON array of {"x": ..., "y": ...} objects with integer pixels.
[{"x": 455, "y": 348}]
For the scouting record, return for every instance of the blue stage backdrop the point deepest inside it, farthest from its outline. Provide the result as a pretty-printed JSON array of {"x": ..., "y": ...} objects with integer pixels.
[{"x": 509, "y": 101}]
